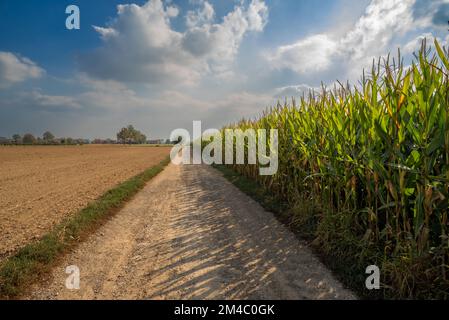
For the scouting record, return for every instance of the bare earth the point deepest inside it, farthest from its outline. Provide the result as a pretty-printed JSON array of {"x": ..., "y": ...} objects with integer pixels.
[
  {"x": 40, "y": 186},
  {"x": 190, "y": 234}
]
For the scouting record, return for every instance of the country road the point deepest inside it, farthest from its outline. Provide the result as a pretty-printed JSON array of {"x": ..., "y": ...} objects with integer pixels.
[{"x": 190, "y": 234}]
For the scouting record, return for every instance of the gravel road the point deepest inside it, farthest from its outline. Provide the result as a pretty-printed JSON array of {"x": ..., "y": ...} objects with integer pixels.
[{"x": 190, "y": 234}]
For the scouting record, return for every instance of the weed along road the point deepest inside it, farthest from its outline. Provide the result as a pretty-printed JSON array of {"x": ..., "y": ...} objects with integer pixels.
[{"x": 191, "y": 234}]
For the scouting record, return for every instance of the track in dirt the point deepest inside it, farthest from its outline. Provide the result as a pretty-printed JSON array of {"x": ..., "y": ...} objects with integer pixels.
[
  {"x": 190, "y": 234},
  {"x": 42, "y": 185}
]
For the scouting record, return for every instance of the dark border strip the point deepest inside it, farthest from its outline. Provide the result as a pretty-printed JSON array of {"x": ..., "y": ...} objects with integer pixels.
[{"x": 35, "y": 259}]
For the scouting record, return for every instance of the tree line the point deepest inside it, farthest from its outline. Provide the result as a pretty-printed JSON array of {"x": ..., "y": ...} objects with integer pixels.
[
  {"x": 126, "y": 135},
  {"x": 47, "y": 139}
]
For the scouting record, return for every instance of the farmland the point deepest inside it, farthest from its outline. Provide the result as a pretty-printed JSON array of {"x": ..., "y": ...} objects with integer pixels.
[{"x": 42, "y": 185}]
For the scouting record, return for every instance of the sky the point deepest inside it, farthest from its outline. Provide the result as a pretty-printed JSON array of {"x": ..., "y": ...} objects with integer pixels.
[{"x": 161, "y": 64}]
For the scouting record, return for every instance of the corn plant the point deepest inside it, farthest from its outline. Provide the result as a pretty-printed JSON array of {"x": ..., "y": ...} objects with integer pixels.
[{"x": 374, "y": 161}]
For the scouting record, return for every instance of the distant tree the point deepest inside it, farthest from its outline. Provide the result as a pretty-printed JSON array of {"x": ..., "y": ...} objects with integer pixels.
[
  {"x": 69, "y": 140},
  {"x": 48, "y": 136},
  {"x": 123, "y": 136},
  {"x": 140, "y": 138},
  {"x": 28, "y": 138},
  {"x": 129, "y": 135},
  {"x": 17, "y": 139}
]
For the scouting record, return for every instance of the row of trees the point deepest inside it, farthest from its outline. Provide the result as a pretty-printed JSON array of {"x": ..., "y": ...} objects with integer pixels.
[
  {"x": 127, "y": 135},
  {"x": 47, "y": 139}
]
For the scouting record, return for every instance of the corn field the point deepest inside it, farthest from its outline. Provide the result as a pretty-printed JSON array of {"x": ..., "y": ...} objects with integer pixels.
[{"x": 368, "y": 168}]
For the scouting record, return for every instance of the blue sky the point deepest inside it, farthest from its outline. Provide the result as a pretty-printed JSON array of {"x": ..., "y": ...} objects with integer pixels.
[{"x": 161, "y": 64}]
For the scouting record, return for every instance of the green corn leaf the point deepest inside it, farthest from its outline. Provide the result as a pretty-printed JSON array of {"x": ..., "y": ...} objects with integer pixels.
[{"x": 441, "y": 54}]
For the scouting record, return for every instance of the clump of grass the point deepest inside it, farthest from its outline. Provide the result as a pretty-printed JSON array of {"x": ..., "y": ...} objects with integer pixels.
[
  {"x": 367, "y": 169},
  {"x": 29, "y": 263}
]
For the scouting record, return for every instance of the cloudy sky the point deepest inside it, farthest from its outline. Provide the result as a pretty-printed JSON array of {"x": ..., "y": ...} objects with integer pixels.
[{"x": 161, "y": 64}]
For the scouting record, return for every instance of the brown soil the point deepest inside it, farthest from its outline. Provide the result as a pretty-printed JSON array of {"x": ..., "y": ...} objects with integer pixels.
[
  {"x": 42, "y": 185},
  {"x": 190, "y": 234}
]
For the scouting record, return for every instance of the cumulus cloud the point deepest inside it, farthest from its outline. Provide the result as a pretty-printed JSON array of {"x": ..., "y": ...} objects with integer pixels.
[
  {"x": 434, "y": 13},
  {"x": 140, "y": 45},
  {"x": 15, "y": 69},
  {"x": 36, "y": 100},
  {"x": 94, "y": 95},
  {"x": 311, "y": 54},
  {"x": 200, "y": 16},
  {"x": 414, "y": 45},
  {"x": 372, "y": 36},
  {"x": 218, "y": 44},
  {"x": 109, "y": 94},
  {"x": 382, "y": 21},
  {"x": 106, "y": 33}
]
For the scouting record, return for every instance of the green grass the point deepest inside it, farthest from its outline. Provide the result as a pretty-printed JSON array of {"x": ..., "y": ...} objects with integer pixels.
[{"x": 35, "y": 259}]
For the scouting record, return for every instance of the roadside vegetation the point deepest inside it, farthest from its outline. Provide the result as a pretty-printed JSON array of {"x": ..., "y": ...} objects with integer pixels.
[
  {"x": 35, "y": 259},
  {"x": 364, "y": 173}
]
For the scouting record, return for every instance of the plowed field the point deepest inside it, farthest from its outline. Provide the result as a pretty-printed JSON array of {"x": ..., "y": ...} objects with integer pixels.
[{"x": 42, "y": 185}]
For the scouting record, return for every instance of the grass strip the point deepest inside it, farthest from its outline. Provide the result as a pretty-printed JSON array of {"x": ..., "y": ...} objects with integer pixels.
[{"x": 35, "y": 259}]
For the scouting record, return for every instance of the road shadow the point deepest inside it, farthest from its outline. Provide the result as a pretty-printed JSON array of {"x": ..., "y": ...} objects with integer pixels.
[{"x": 226, "y": 246}]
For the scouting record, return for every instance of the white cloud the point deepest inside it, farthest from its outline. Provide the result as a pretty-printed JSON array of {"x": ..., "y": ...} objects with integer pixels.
[
  {"x": 36, "y": 100},
  {"x": 257, "y": 15},
  {"x": 53, "y": 101},
  {"x": 383, "y": 20},
  {"x": 200, "y": 16},
  {"x": 115, "y": 96},
  {"x": 372, "y": 36},
  {"x": 14, "y": 69},
  {"x": 311, "y": 54},
  {"x": 106, "y": 33},
  {"x": 218, "y": 44},
  {"x": 413, "y": 45},
  {"x": 109, "y": 94},
  {"x": 140, "y": 45},
  {"x": 431, "y": 13},
  {"x": 94, "y": 95}
]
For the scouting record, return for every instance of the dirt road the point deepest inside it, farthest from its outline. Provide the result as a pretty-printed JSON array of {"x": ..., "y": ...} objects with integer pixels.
[{"x": 190, "y": 234}]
